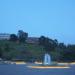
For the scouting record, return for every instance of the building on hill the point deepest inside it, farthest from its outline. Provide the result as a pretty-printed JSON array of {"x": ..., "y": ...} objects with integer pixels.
[
  {"x": 4, "y": 36},
  {"x": 32, "y": 40}
]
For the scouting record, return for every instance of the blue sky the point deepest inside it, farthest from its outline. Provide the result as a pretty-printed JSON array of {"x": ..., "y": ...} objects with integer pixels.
[{"x": 52, "y": 18}]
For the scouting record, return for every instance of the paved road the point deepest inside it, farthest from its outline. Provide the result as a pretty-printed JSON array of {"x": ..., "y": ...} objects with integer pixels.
[{"x": 23, "y": 70}]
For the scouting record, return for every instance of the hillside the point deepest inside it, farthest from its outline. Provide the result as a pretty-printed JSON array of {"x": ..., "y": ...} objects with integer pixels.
[
  {"x": 30, "y": 52},
  {"x": 20, "y": 51}
]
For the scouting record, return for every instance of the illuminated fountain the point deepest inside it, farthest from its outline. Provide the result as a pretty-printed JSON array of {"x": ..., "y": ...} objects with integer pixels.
[{"x": 47, "y": 59}]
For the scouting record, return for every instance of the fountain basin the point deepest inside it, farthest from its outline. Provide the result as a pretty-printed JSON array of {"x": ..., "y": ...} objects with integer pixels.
[
  {"x": 47, "y": 67},
  {"x": 53, "y": 65}
]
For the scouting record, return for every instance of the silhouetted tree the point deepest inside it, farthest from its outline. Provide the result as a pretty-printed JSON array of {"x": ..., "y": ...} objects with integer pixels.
[
  {"x": 22, "y": 36},
  {"x": 62, "y": 46},
  {"x": 42, "y": 40},
  {"x": 13, "y": 37},
  {"x": 48, "y": 43}
]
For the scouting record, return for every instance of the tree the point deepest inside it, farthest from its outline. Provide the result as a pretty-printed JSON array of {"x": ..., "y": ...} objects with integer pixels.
[
  {"x": 62, "y": 46},
  {"x": 48, "y": 43},
  {"x": 42, "y": 40},
  {"x": 22, "y": 36},
  {"x": 13, "y": 37}
]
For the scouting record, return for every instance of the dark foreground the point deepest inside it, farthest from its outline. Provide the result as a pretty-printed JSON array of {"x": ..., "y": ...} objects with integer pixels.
[{"x": 23, "y": 70}]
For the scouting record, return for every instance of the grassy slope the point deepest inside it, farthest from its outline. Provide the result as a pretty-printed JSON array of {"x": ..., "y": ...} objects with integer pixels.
[{"x": 29, "y": 52}]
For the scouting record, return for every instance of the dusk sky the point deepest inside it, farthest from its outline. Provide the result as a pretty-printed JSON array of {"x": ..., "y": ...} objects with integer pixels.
[{"x": 51, "y": 18}]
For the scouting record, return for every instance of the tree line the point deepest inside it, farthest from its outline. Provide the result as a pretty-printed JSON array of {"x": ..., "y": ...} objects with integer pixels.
[{"x": 58, "y": 51}]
